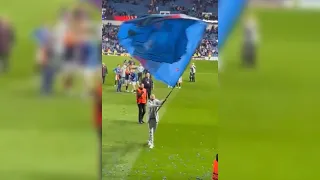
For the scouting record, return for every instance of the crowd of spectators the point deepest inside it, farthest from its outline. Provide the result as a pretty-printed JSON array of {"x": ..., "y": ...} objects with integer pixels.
[
  {"x": 193, "y": 8},
  {"x": 108, "y": 11},
  {"x": 208, "y": 45},
  {"x": 109, "y": 39}
]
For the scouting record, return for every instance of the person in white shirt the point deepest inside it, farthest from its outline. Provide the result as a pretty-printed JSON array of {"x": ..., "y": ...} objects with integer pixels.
[
  {"x": 140, "y": 69},
  {"x": 60, "y": 31},
  {"x": 250, "y": 42},
  {"x": 192, "y": 76},
  {"x": 153, "y": 118},
  {"x": 123, "y": 73}
]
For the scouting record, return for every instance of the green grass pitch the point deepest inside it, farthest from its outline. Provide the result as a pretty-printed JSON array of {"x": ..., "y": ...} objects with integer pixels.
[
  {"x": 41, "y": 138},
  {"x": 268, "y": 116},
  {"x": 185, "y": 141}
]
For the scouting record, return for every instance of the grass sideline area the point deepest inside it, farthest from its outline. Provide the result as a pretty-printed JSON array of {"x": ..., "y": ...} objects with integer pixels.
[
  {"x": 185, "y": 141},
  {"x": 268, "y": 118},
  {"x": 41, "y": 138}
]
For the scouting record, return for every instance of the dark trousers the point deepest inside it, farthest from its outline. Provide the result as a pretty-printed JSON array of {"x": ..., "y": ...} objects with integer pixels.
[
  {"x": 119, "y": 85},
  {"x": 142, "y": 111},
  {"x": 249, "y": 55},
  {"x": 139, "y": 76},
  {"x": 47, "y": 79},
  {"x": 4, "y": 62},
  {"x": 103, "y": 79},
  {"x": 192, "y": 77},
  {"x": 149, "y": 91}
]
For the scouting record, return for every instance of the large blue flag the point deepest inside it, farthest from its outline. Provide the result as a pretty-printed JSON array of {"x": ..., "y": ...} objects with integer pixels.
[
  {"x": 164, "y": 44},
  {"x": 228, "y": 13}
]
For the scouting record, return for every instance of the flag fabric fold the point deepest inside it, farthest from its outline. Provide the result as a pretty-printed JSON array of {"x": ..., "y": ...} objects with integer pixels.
[{"x": 164, "y": 44}]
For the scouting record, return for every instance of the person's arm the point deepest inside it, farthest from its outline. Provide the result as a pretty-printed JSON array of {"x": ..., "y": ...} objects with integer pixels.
[
  {"x": 159, "y": 102},
  {"x": 139, "y": 93},
  {"x": 155, "y": 103},
  {"x": 106, "y": 70}
]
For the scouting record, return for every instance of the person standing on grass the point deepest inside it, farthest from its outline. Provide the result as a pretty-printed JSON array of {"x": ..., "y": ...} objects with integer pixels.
[
  {"x": 179, "y": 83},
  {"x": 123, "y": 74},
  {"x": 140, "y": 72},
  {"x": 250, "y": 42},
  {"x": 133, "y": 80},
  {"x": 48, "y": 68},
  {"x": 215, "y": 168},
  {"x": 148, "y": 84},
  {"x": 141, "y": 102},
  {"x": 117, "y": 72},
  {"x": 7, "y": 39},
  {"x": 127, "y": 78},
  {"x": 192, "y": 76},
  {"x": 104, "y": 72},
  {"x": 119, "y": 82},
  {"x": 153, "y": 118}
]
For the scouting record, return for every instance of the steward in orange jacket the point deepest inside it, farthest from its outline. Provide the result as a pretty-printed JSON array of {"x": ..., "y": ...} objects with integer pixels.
[
  {"x": 215, "y": 169},
  {"x": 141, "y": 102}
]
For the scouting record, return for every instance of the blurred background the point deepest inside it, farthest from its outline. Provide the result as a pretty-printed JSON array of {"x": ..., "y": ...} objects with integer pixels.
[
  {"x": 46, "y": 112},
  {"x": 269, "y": 93}
]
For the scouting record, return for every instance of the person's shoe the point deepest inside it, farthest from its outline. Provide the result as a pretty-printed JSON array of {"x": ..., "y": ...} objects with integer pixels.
[
  {"x": 179, "y": 87},
  {"x": 149, "y": 143},
  {"x": 151, "y": 146},
  {"x": 142, "y": 122}
]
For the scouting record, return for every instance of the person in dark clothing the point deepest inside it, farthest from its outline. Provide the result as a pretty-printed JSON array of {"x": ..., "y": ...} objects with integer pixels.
[
  {"x": 48, "y": 67},
  {"x": 145, "y": 71},
  {"x": 104, "y": 72},
  {"x": 7, "y": 39},
  {"x": 141, "y": 102},
  {"x": 249, "y": 46},
  {"x": 148, "y": 84}
]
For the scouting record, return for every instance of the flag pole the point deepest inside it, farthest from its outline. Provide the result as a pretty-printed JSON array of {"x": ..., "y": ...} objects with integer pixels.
[{"x": 165, "y": 99}]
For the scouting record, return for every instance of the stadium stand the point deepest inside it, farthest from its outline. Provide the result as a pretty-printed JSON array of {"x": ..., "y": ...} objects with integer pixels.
[
  {"x": 122, "y": 10},
  {"x": 204, "y": 9}
]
